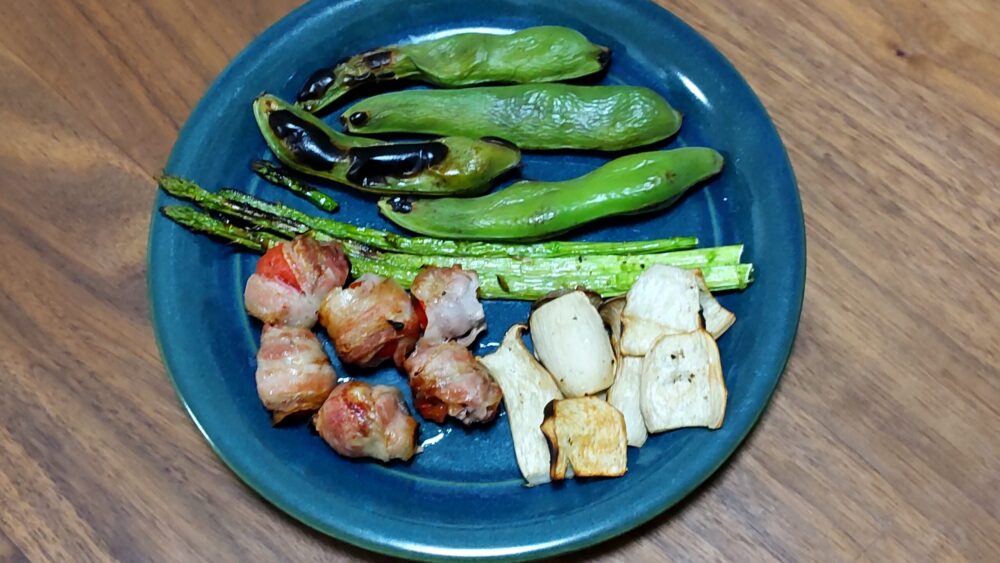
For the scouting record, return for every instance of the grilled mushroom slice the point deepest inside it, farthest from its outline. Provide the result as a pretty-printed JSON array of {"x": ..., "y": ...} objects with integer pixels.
[
  {"x": 682, "y": 384},
  {"x": 626, "y": 395},
  {"x": 570, "y": 340},
  {"x": 587, "y": 438},
  {"x": 527, "y": 388},
  {"x": 663, "y": 300},
  {"x": 624, "y": 392},
  {"x": 718, "y": 319}
]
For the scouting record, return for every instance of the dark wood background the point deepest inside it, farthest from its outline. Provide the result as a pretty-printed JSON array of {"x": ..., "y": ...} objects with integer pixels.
[{"x": 883, "y": 440}]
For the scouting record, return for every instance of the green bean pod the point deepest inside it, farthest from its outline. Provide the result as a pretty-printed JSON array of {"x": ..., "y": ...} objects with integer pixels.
[
  {"x": 536, "y": 54},
  {"x": 446, "y": 166},
  {"x": 532, "y": 116},
  {"x": 536, "y": 210}
]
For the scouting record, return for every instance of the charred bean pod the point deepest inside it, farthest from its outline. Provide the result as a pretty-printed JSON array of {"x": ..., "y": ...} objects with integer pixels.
[
  {"x": 446, "y": 166},
  {"x": 536, "y": 54}
]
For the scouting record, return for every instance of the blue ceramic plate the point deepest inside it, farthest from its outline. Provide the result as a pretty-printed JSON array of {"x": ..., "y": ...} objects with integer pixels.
[{"x": 463, "y": 496}]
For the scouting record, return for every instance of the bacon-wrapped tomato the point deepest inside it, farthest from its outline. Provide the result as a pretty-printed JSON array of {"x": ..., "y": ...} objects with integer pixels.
[{"x": 291, "y": 280}]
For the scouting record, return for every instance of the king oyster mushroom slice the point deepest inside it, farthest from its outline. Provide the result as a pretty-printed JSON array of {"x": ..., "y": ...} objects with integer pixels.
[
  {"x": 527, "y": 389},
  {"x": 663, "y": 300},
  {"x": 624, "y": 392},
  {"x": 718, "y": 319},
  {"x": 682, "y": 384},
  {"x": 587, "y": 438},
  {"x": 611, "y": 314},
  {"x": 571, "y": 342}
]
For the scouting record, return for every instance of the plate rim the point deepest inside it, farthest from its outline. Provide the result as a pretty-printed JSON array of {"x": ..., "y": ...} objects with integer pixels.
[{"x": 273, "y": 33}]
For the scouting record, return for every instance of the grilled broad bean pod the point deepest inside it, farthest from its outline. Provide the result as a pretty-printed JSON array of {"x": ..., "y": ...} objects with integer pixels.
[
  {"x": 535, "y": 210},
  {"x": 536, "y": 54},
  {"x": 532, "y": 116},
  {"x": 446, "y": 166}
]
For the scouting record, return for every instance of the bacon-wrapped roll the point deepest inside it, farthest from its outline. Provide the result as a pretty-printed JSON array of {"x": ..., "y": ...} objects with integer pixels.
[
  {"x": 447, "y": 380},
  {"x": 369, "y": 321},
  {"x": 360, "y": 420},
  {"x": 450, "y": 305},
  {"x": 293, "y": 372},
  {"x": 291, "y": 280}
]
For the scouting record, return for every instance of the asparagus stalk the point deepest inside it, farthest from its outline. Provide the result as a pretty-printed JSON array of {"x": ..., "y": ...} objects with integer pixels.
[
  {"x": 204, "y": 223},
  {"x": 517, "y": 266},
  {"x": 583, "y": 266},
  {"x": 382, "y": 240},
  {"x": 496, "y": 284},
  {"x": 500, "y": 278},
  {"x": 279, "y": 177}
]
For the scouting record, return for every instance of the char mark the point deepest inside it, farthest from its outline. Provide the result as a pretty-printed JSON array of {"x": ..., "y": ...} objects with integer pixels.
[
  {"x": 317, "y": 85},
  {"x": 309, "y": 145},
  {"x": 371, "y": 166}
]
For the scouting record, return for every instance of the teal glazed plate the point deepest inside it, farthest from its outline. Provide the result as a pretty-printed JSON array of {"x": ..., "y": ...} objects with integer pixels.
[{"x": 462, "y": 497}]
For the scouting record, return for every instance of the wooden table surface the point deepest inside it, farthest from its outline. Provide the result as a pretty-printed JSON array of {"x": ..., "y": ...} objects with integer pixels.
[{"x": 882, "y": 442}]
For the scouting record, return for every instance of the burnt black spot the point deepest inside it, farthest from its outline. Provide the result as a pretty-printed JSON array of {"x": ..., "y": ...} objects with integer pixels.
[
  {"x": 502, "y": 282},
  {"x": 370, "y": 166},
  {"x": 901, "y": 53},
  {"x": 317, "y": 85},
  {"x": 367, "y": 251},
  {"x": 604, "y": 57},
  {"x": 358, "y": 118},
  {"x": 401, "y": 204},
  {"x": 369, "y": 67},
  {"x": 355, "y": 79},
  {"x": 550, "y": 409},
  {"x": 396, "y": 325},
  {"x": 499, "y": 141},
  {"x": 309, "y": 145},
  {"x": 375, "y": 60}
]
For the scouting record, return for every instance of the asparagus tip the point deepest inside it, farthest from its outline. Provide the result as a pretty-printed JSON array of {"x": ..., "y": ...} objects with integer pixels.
[
  {"x": 173, "y": 210},
  {"x": 261, "y": 165}
]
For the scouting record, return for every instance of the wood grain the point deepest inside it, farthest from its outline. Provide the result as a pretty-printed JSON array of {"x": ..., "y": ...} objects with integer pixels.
[{"x": 882, "y": 443}]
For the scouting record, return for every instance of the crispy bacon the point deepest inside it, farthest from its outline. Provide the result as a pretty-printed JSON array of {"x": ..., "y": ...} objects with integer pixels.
[
  {"x": 291, "y": 280},
  {"x": 447, "y": 380},
  {"x": 369, "y": 321},
  {"x": 448, "y": 299},
  {"x": 359, "y": 420},
  {"x": 293, "y": 372}
]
